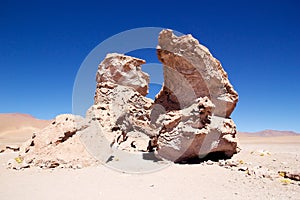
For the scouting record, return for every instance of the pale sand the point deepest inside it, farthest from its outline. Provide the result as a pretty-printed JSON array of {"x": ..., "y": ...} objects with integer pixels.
[{"x": 175, "y": 182}]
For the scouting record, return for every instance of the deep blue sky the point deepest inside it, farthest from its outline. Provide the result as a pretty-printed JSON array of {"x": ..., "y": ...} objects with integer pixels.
[{"x": 43, "y": 44}]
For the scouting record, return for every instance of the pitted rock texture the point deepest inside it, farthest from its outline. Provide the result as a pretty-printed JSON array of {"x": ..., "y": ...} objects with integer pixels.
[
  {"x": 123, "y": 114},
  {"x": 120, "y": 106},
  {"x": 191, "y": 64},
  {"x": 123, "y": 70},
  {"x": 193, "y": 133}
]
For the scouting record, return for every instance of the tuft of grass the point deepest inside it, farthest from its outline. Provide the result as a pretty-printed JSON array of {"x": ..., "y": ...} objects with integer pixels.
[
  {"x": 116, "y": 159},
  {"x": 285, "y": 181},
  {"x": 19, "y": 160},
  {"x": 282, "y": 174}
]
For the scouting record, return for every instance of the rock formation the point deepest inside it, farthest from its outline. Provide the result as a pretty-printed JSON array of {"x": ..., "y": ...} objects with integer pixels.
[
  {"x": 190, "y": 73},
  {"x": 57, "y": 145},
  {"x": 200, "y": 74},
  {"x": 121, "y": 107},
  {"x": 190, "y": 117}
]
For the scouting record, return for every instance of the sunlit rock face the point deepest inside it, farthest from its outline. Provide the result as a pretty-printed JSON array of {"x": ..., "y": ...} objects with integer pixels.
[
  {"x": 190, "y": 72},
  {"x": 57, "y": 145},
  {"x": 123, "y": 70}
]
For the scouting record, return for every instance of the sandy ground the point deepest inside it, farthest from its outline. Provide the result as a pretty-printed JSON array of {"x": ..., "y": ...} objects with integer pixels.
[
  {"x": 188, "y": 181},
  {"x": 207, "y": 180}
]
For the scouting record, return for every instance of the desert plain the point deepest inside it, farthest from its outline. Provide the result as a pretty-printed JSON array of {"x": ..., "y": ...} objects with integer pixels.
[{"x": 253, "y": 173}]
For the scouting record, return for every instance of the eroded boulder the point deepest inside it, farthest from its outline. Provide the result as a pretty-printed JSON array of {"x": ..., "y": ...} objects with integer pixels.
[
  {"x": 194, "y": 79},
  {"x": 57, "y": 145},
  {"x": 191, "y": 64}
]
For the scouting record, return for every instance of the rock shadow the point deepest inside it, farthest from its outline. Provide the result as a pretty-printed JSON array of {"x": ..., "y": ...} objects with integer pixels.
[{"x": 213, "y": 156}]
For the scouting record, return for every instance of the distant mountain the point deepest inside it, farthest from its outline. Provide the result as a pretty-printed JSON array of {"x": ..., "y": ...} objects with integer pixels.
[
  {"x": 268, "y": 133},
  {"x": 16, "y": 128},
  {"x": 16, "y": 121}
]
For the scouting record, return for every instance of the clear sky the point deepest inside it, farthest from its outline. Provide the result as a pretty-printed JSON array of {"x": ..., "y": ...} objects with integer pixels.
[{"x": 43, "y": 44}]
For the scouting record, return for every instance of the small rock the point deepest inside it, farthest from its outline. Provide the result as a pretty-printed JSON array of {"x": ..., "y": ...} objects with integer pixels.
[
  {"x": 14, "y": 164},
  {"x": 79, "y": 166},
  {"x": 263, "y": 152},
  {"x": 232, "y": 163},
  {"x": 13, "y": 148},
  {"x": 243, "y": 169},
  {"x": 209, "y": 162},
  {"x": 52, "y": 164},
  {"x": 293, "y": 176},
  {"x": 222, "y": 163}
]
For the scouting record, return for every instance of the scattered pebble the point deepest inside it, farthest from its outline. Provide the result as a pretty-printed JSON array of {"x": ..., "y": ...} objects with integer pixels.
[
  {"x": 209, "y": 162},
  {"x": 78, "y": 166},
  {"x": 243, "y": 169},
  {"x": 222, "y": 163},
  {"x": 293, "y": 176}
]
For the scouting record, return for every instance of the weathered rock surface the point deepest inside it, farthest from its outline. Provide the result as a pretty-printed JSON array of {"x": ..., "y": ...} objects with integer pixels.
[
  {"x": 57, "y": 145},
  {"x": 120, "y": 106},
  {"x": 191, "y": 64},
  {"x": 123, "y": 70},
  {"x": 191, "y": 134},
  {"x": 190, "y": 73},
  {"x": 189, "y": 118}
]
